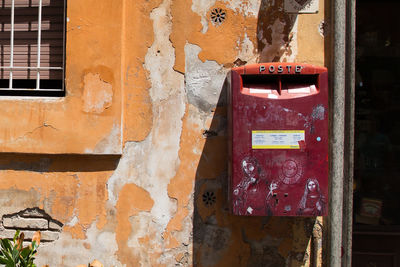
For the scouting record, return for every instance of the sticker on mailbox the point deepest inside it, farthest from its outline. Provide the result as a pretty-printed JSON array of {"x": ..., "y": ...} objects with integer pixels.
[{"x": 276, "y": 139}]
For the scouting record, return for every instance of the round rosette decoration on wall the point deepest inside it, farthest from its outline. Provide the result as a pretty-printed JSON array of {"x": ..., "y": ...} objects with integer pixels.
[{"x": 218, "y": 16}]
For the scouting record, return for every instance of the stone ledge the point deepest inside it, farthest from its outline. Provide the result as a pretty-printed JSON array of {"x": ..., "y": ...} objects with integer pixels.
[
  {"x": 54, "y": 226},
  {"x": 33, "y": 213},
  {"x": 25, "y": 223},
  {"x": 46, "y": 235}
]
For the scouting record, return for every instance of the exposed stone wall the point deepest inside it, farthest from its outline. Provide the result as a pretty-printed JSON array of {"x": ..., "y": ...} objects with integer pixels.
[{"x": 29, "y": 221}]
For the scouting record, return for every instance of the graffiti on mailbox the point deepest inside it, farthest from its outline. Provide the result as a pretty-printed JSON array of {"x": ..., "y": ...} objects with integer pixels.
[
  {"x": 252, "y": 186},
  {"x": 318, "y": 112},
  {"x": 291, "y": 172},
  {"x": 313, "y": 202}
]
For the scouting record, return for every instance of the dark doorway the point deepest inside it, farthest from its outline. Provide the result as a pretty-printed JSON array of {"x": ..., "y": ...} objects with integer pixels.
[{"x": 376, "y": 230}]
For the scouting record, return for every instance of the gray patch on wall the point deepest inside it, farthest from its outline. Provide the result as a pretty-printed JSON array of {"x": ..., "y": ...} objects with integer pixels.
[
  {"x": 29, "y": 221},
  {"x": 111, "y": 143},
  {"x": 264, "y": 252},
  {"x": 214, "y": 240},
  {"x": 203, "y": 80}
]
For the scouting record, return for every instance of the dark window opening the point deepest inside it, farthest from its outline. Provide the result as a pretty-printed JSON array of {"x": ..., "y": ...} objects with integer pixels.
[{"x": 25, "y": 58}]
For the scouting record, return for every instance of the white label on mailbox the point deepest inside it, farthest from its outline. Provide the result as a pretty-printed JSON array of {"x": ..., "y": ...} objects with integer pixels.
[
  {"x": 260, "y": 91},
  {"x": 302, "y": 90},
  {"x": 299, "y": 90},
  {"x": 277, "y": 139}
]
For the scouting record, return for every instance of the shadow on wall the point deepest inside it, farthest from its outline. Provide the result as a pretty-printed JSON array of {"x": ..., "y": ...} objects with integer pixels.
[
  {"x": 220, "y": 238},
  {"x": 274, "y": 32},
  {"x": 58, "y": 163}
]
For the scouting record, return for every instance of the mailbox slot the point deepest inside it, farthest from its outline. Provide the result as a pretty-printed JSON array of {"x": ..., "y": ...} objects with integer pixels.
[{"x": 286, "y": 86}]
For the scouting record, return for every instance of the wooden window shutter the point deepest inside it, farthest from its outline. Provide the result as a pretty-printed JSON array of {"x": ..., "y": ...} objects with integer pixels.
[{"x": 25, "y": 52}]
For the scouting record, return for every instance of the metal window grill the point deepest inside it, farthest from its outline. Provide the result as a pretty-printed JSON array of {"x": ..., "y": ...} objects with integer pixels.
[{"x": 32, "y": 47}]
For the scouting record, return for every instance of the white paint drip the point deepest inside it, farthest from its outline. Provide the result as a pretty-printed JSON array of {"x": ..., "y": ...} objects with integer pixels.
[
  {"x": 250, "y": 210},
  {"x": 273, "y": 186}
]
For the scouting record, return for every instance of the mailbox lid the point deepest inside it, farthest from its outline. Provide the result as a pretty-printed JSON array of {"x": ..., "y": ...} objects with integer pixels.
[{"x": 283, "y": 68}]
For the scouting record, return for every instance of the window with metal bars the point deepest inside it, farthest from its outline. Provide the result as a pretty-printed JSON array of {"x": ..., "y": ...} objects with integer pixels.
[{"x": 32, "y": 50}]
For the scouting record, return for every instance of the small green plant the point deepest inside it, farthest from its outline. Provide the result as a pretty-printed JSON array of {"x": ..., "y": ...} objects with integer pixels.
[{"x": 13, "y": 254}]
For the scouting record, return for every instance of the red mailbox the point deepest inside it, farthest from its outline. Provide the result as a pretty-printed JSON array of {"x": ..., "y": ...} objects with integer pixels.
[{"x": 278, "y": 139}]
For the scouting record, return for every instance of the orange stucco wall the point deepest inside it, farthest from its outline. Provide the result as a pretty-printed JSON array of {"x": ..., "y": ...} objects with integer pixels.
[
  {"x": 144, "y": 82},
  {"x": 88, "y": 119}
]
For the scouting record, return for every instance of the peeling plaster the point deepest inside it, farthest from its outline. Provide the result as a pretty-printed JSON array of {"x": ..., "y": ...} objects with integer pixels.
[
  {"x": 218, "y": 44},
  {"x": 160, "y": 57},
  {"x": 154, "y": 159},
  {"x": 204, "y": 81},
  {"x": 97, "y": 94},
  {"x": 247, "y": 8},
  {"x": 13, "y": 200},
  {"x": 279, "y": 49},
  {"x": 142, "y": 224},
  {"x": 73, "y": 221},
  {"x": 323, "y": 28},
  {"x": 110, "y": 143},
  {"x": 246, "y": 50},
  {"x": 67, "y": 251},
  {"x": 202, "y": 7},
  {"x": 152, "y": 163},
  {"x": 167, "y": 122}
]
